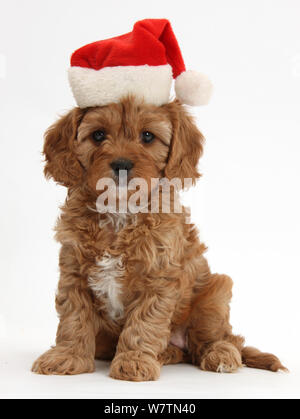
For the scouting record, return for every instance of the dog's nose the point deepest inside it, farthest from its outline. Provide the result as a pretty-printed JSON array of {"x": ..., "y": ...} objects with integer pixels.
[{"x": 121, "y": 164}]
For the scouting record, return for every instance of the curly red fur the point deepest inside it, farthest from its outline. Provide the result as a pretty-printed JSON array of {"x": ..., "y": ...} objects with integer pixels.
[{"x": 167, "y": 291}]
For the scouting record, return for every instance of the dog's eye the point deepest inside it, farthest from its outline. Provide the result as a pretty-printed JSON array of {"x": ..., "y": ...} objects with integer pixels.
[
  {"x": 99, "y": 136},
  {"x": 147, "y": 137}
]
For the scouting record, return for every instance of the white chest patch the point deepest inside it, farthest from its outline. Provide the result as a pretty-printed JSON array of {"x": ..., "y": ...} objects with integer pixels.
[
  {"x": 117, "y": 221},
  {"x": 106, "y": 284}
]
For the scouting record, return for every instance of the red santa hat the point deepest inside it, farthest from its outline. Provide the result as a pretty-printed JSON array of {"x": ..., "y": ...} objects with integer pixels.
[{"x": 142, "y": 63}]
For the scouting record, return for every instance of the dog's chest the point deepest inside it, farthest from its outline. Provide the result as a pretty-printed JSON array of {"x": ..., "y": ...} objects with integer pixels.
[
  {"x": 107, "y": 277},
  {"x": 106, "y": 281}
]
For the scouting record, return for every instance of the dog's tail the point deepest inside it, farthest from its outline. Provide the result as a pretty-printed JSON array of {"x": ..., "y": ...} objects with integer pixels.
[{"x": 253, "y": 358}]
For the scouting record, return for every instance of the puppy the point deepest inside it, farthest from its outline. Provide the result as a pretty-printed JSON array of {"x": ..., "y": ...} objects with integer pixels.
[{"x": 135, "y": 289}]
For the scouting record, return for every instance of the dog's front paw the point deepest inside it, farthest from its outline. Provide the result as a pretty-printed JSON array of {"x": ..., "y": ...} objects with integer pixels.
[
  {"x": 135, "y": 366},
  {"x": 60, "y": 361}
]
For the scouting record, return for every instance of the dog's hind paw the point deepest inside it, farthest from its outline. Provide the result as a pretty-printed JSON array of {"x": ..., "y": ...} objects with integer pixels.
[{"x": 222, "y": 357}]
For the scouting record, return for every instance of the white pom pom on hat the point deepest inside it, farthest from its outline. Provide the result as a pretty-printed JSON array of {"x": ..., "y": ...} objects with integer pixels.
[
  {"x": 193, "y": 88},
  {"x": 142, "y": 63}
]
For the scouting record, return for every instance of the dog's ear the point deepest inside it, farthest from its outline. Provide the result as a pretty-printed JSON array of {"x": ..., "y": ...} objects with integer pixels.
[
  {"x": 186, "y": 146},
  {"x": 61, "y": 161}
]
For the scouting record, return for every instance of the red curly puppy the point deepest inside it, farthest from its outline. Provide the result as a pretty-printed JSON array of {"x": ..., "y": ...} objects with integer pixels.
[{"x": 134, "y": 288}]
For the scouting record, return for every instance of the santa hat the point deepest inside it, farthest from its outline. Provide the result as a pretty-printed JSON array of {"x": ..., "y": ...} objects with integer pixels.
[{"x": 142, "y": 63}]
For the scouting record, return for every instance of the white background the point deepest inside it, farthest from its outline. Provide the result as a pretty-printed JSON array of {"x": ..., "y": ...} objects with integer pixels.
[{"x": 246, "y": 205}]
